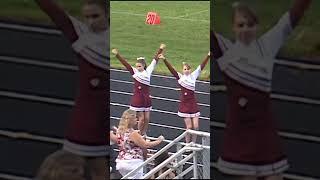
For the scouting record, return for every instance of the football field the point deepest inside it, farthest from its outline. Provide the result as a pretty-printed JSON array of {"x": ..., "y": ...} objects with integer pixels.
[
  {"x": 28, "y": 10},
  {"x": 184, "y": 28}
]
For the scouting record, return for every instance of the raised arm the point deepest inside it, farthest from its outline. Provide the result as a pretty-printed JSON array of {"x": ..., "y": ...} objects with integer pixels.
[
  {"x": 59, "y": 17},
  {"x": 155, "y": 60},
  {"x": 274, "y": 39},
  {"x": 196, "y": 73},
  {"x": 160, "y": 50},
  {"x": 205, "y": 61},
  {"x": 217, "y": 51},
  {"x": 139, "y": 141},
  {"x": 123, "y": 61},
  {"x": 169, "y": 66},
  {"x": 297, "y": 10}
]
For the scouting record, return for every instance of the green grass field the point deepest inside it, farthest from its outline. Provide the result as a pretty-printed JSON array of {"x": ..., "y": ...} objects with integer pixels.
[
  {"x": 184, "y": 29},
  {"x": 27, "y": 10},
  {"x": 303, "y": 43}
]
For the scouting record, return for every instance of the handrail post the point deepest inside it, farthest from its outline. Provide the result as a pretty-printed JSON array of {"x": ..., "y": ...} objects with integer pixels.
[
  {"x": 195, "y": 164},
  {"x": 206, "y": 158},
  {"x": 179, "y": 158},
  {"x": 156, "y": 154},
  {"x": 204, "y": 147}
]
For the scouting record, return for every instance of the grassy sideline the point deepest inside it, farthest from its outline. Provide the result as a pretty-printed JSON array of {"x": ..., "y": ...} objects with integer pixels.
[{"x": 27, "y": 10}]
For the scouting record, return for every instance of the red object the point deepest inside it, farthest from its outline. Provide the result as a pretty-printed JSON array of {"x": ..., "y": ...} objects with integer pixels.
[
  {"x": 251, "y": 134},
  {"x": 152, "y": 18}
]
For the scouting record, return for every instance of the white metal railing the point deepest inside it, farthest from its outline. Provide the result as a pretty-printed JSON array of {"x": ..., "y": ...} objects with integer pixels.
[
  {"x": 180, "y": 163},
  {"x": 167, "y": 161},
  {"x": 156, "y": 155},
  {"x": 151, "y": 152},
  {"x": 190, "y": 146}
]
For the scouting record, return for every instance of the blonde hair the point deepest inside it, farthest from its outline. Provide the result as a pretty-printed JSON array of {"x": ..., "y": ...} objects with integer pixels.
[
  {"x": 186, "y": 64},
  {"x": 64, "y": 165},
  {"x": 244, "y": 10},
  {"x": 125, "y": 120}
]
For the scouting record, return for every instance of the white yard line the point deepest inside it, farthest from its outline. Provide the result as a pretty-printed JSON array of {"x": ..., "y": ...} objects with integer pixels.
[
  {"x": 157, "y": 86},
  {"x": 39, "y": 63},
  {"x": 157, "y": 97},
  {"x": 30, "y": 28},
  {"x": 26, "y": 135},
  {"x": 194, "y": 13},
  {"x": 298, "y": 177},
  {"x": 298, "y": 65},
  {"x": 283, "y": 97},
  {"x": 36, "y": 98},
  {"x": 162, "y": 17},
  {"x": 295, "y": 99},
  {"x": 290, "y": 135},
  {"x": 13, "y": 177}
]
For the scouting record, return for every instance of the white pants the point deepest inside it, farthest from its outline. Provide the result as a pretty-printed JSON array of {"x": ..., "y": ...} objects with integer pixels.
[{"x": 125, "y": 166}]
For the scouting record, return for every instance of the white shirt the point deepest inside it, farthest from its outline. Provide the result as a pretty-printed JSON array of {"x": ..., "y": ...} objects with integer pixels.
[
  {"x": 189, "y": 81},
  {"x": 92, "y": 46},
  {"x": 252, "y": 65},
  {"x": 144, "y": 76}
]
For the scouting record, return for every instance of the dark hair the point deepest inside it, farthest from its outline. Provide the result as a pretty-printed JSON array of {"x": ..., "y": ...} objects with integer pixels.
[
  {"x": 247, "y": 12},
  {"x": 161, "y": 158},
  {"x": 143, "y": 62},
  {"x": 100, "y": 3}
]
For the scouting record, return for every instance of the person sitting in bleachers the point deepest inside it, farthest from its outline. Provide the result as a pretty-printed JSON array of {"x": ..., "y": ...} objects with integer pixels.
[
  {"x": 131, "y": 145},
  {"x": 158, "y": 160}
]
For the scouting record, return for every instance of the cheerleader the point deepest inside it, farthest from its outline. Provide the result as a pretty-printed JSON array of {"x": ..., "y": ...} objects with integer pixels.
[
  {"x": 188, "y": 108},
  {"x": 141, "y": 100},
  {"x": 251, "y": 147},
  {"x": 85, "y": 134}
]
